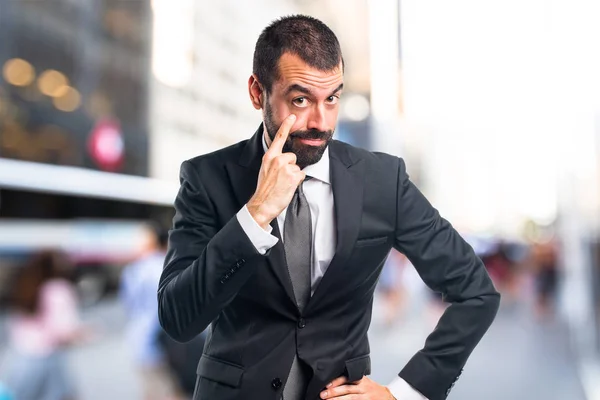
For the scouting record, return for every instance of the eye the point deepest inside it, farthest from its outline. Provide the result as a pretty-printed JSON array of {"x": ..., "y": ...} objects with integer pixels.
[
  {"x": 333, "y": 99},
  {"x": 300, "y": 101}
]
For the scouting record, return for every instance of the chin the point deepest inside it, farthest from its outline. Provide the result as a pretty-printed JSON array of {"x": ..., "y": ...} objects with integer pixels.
[{"x": 309, "y": 156}]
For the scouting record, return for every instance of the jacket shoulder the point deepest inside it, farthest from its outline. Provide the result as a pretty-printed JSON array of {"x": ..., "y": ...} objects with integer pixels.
[{"x": 373, "y": 159}]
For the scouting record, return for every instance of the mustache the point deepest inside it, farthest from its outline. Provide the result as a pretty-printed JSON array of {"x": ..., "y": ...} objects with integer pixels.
[{"x": 312, "y": 134}]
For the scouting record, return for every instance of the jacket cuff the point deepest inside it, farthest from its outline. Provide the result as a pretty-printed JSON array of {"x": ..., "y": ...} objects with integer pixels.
[{"x": 422, "y": 374}]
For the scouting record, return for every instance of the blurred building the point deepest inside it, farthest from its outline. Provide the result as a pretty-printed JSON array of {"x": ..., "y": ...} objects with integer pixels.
[
  {"x": 74, "y": 123},
  {"x": 74, "y": 92}
]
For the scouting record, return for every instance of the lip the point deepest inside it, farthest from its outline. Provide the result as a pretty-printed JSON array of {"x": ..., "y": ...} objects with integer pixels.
[{"x": 312, "y": 142}]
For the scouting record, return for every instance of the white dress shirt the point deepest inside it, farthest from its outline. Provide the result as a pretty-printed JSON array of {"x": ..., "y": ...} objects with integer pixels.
[{"x": 319, "y": 195}]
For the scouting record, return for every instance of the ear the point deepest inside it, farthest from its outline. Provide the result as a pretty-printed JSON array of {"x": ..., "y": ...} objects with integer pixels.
[{"x": 255, "y": 90}]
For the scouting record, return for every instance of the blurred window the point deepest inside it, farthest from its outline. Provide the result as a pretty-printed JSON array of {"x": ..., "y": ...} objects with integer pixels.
[
  {"x": 100, "y": 50},
  {"x": 126, "y": 22}
]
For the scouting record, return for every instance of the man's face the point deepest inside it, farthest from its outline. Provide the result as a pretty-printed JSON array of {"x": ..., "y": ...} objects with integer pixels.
[{"x": 313, "y": 96}]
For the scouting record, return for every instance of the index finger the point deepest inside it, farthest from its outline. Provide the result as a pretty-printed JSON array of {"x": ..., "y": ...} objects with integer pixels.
[
  {"x": 282, "y": 134},
  {"x": 337, "y": 382}
]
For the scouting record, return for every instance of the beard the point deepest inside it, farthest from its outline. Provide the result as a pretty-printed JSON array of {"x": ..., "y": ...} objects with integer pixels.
[{"x": 305, "y": 154}]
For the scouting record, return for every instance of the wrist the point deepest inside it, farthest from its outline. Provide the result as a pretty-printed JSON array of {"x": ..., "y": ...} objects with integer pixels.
[{"x": 259, "y": 215}]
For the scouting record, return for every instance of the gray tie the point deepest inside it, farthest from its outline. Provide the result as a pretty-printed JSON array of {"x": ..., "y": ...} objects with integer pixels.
[{"x": 297, "y": 242}]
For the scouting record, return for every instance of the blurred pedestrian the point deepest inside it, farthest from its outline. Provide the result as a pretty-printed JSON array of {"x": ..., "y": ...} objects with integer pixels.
[
  {"x": 543, "y": 265},
  {"x": 43, "y": 323},
  {"x": 545, "y": 258},
  {"x": 139, "y": 283}
]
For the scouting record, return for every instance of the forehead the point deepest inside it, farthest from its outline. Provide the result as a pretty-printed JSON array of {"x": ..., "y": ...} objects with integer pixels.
[{"x": 293, "y": 70}]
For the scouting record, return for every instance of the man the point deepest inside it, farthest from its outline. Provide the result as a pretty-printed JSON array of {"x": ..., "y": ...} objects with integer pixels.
[{"x": 278, "y": 242}]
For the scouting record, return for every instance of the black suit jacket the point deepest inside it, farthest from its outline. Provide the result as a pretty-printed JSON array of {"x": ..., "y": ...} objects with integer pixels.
[{"x": 214, "y": 275}]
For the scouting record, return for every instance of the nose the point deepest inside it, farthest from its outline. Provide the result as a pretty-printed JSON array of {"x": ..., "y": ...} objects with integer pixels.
[{"x": 316, "y": 119}]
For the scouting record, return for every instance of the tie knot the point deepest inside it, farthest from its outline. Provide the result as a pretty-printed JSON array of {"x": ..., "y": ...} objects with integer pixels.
[{"x": 300, "y": 188}]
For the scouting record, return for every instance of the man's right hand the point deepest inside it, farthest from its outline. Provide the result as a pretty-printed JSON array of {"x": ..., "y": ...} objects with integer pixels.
[{"x": 278, "y": 179}]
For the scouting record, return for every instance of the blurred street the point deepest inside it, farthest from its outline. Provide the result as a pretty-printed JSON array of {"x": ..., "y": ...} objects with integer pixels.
[{"x": 527, "y": 360}]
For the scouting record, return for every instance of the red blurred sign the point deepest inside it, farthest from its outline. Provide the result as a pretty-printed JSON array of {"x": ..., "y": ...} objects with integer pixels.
[{"x": 106, "y": 145}]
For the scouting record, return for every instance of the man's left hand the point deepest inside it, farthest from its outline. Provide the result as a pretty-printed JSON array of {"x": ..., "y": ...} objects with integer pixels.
[{"x": 364, "y": 389}]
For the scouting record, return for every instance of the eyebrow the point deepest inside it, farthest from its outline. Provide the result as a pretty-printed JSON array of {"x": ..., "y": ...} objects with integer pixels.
[{"x": 299, "y": 88}]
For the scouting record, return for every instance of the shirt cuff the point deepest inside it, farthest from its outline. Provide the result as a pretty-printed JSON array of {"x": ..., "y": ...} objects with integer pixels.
[
  {"x": 401, "y": 390},
  {"x": 260, "y": 238}
]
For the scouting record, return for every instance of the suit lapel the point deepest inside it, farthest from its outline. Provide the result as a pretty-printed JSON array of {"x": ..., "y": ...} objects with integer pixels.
[
  {"x": 243, "y": 174},
  {"x": 347, "y": 179}
]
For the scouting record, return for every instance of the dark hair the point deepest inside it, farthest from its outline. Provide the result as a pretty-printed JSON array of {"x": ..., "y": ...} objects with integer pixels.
[
  {"x": 301, "y": 35},
  {"x": 37, "y": 270}
]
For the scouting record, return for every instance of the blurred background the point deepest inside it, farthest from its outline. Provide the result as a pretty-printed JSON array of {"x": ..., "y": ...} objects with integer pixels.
[{"x": 494, "y": 105}]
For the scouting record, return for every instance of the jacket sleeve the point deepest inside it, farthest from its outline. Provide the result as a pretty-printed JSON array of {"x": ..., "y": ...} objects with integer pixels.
[
  {"x": 205, "y": 266},
  {"x": 447, "y": 264}
]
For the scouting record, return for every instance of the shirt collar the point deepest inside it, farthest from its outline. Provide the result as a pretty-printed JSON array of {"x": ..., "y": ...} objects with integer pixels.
[{"x": 318, "y": 170}]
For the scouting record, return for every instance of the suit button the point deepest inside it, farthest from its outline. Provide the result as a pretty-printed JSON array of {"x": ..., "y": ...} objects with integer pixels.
[
  {"x": 276, "y": 383},
  {"x": 301, "y": 323}
]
